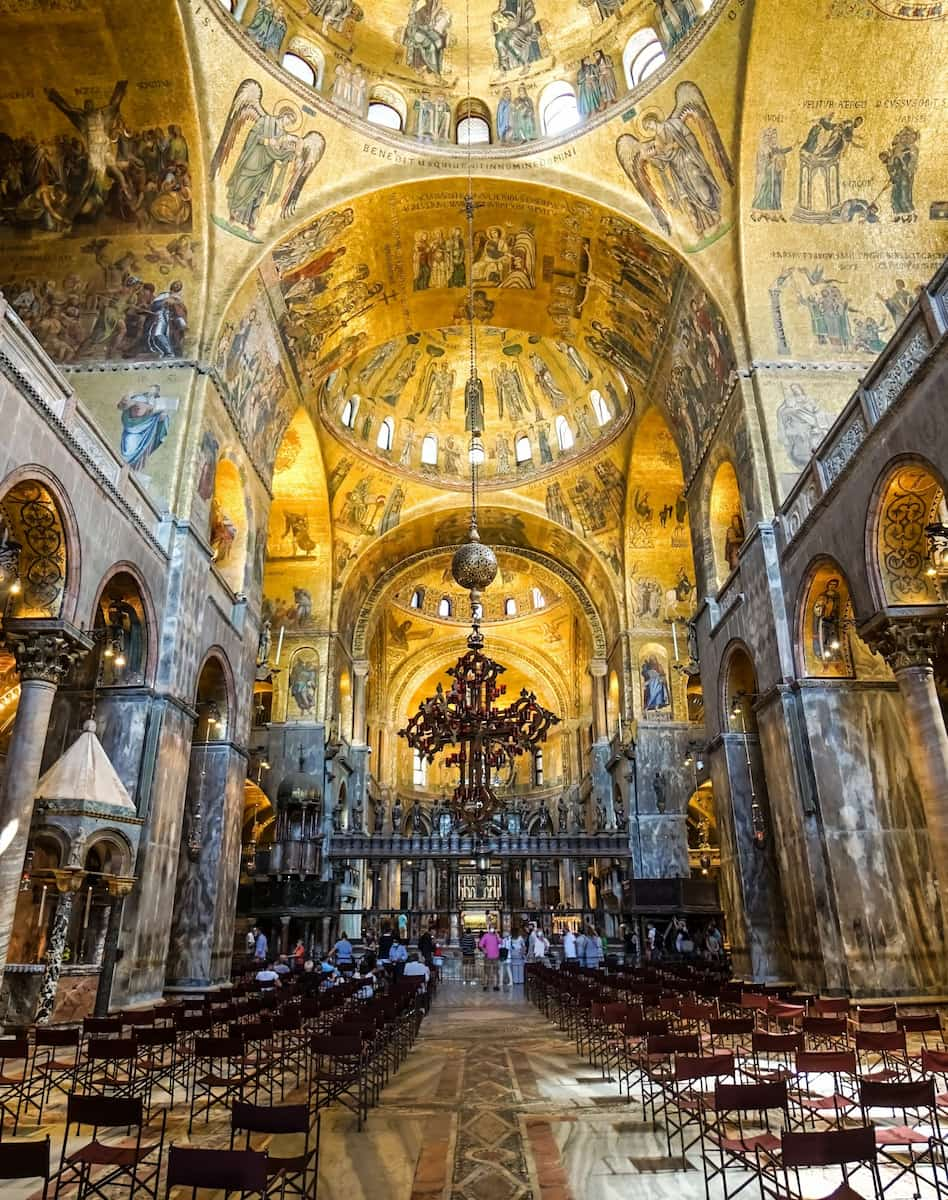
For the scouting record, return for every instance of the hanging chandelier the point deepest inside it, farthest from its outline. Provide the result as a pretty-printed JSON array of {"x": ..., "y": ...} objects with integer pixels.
[{"x": 466, "y": 715}]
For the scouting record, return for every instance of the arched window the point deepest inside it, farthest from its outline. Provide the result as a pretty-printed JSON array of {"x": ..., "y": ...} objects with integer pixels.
[
  {"x": 539, "y": 600},
  {"x": 643, "y": 55},
  {"x": 419, "y": 769},
  {"x": 473, "y": 131},
  {"x": 349, "y": 410},
  {"x": 415, "y": 601},
  {"x": 429, "y": 450},
  {"x": 444, "y": 606},
  {"x": 558, "y": 110},
  {"x": 300, "y": 69},
  {"x": 600, "y": 407},
  {"x": 523, "y": 451},
  {"x": 386, "y": 434},
  {"x": 564, "y": 435},
  {"x": 510, "y": 607},
  {"x": 385, "y": 115}
]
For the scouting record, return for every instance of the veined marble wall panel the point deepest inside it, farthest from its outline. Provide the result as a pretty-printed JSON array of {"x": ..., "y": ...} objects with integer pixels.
[
  {"x": 146, "y": 924},
  {"x": 202, "y": 881},
  {"x": 664, "y": 788},
  {"x": 228, "y": 833},
  {"x": 877, "y": 842},
  {"x": 753, "y": 876},
  {"x": 809, "y": 900}
]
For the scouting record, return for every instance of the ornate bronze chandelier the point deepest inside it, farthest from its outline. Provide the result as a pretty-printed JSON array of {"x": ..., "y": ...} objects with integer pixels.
[{"x": 466, "y": 715}]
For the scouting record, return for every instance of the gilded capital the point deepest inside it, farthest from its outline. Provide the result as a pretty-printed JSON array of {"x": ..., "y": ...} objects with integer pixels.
[
  {"x": 912, "y": 639},
  {"x": 44, "y": 650}
]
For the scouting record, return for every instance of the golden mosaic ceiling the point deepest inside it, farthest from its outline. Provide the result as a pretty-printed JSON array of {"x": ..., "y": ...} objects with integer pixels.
[
  {"x": 402, "y": 404},
  {"x": 522, "y": 590},
  {"x": 424, "y": 56}
]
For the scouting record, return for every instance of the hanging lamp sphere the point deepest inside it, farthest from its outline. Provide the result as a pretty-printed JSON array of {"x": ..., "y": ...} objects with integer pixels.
[{"x": 474, "y": 565}]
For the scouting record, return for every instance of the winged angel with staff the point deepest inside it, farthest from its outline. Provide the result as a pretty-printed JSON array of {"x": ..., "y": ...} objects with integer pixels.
[
  {"x": 669, "y": 163},
  {"x": 272, "y": 150}
]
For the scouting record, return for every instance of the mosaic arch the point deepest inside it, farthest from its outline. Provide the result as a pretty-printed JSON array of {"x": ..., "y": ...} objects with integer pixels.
[
  {"x": 725, "y": 520},
  {"x": 523, "y": 564},
  {"x": 910, "y": 496}
]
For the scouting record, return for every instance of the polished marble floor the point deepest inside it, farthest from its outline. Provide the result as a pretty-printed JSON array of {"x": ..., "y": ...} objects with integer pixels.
[{"x": 492, "y": 1104}]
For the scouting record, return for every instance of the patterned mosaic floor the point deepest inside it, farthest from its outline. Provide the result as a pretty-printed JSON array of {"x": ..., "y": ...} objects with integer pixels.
[{"x": 492, "y": 1104}]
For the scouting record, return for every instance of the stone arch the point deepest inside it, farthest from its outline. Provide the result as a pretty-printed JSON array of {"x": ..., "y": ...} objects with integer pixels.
[
  {"x": 214, "y": 688},
  {"x": 737, "y": 683},
  {"x": 909, "y": 494},
  {"x": 38, "y": 517},
  {"x": 360, "y": 637},
  {"x": 108, "y": 592}
]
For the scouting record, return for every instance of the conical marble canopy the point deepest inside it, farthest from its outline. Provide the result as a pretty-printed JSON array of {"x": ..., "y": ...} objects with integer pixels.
[{"x": 85, "y": 775}]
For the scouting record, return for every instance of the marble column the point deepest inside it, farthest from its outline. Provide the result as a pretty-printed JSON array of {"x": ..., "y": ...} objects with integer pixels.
[
  {"x": 395, "y": 884},
  {"x": 597, "y": 669},
  {"x": 208, "y": 867},
  {"x": 69, "y": 881},
  {"x": 360, "y": 673},
  {"x": 119, "y": 888},
  {"x": 284, "y": 934},
  {"x": 45, "y": 651},
  {"x": 910, "y": 642}
]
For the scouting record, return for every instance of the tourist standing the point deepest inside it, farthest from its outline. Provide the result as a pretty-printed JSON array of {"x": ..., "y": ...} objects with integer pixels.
[
  {"x": 569, "y": 946},
  {"x": 342, "y": 952},
  {"x": 398, "y": 956},
  {"x": 468, "y": 957},
  {"x": 489, "y": 946},
  {"x": 581, "y": 947},
  {"x": 505, "y": 972},
  {"x": 593, "y": 955},
  {"x": 518, "y": 953},
  {"x": 260, "y": 948}
]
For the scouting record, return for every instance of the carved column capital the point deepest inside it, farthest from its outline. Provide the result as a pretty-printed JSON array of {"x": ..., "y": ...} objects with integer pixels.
[
  {"x": 68, "y": 880},
  {"x": 120, "y": 885},
  {"x": 906, "y": 639},
  {"x": 44, "y": 650},
  {"x": 598, "y": 668},
  {"x": 360, "y": 668}
]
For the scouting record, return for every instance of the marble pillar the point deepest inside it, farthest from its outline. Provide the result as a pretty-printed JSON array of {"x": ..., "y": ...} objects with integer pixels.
[
  {"x": 597, "y": 669},
  {"x": 664, "y": 785},
  {"x": 395, "y": 884},
  {"x": 910, "y": 642},
  {"x": 44, "y": 652},
  {"x": 750, "y": 882},
  {"x": 68, "y": 882},
  {"x": 360, "y": 673},
  {"x": 208, "y": 868},
  {"x": 119, "y": 888}
]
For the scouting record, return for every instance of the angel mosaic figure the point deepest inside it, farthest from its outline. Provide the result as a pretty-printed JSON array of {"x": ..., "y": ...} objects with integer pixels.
[
  {"x": 271, "y": 152},
  {"x": 669, "y": 165}
]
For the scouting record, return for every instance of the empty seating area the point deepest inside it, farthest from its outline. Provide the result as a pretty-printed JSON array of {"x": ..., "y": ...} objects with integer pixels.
[
  {"x": 769, "y": 1093},
  {"x": 225, "y": 1091}
]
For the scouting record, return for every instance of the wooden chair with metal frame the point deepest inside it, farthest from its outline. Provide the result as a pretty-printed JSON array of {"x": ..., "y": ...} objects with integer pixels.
[
  {"x": 218, "y": 1171},
  {"x": 296, "y": 1173},
  {"x": 26, "y": 1160},
  {"x": 97, "y": 1164}
]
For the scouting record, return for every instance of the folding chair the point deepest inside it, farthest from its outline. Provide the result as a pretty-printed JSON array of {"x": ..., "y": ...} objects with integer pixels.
[
  {"x": 216, "y": 1170},
  {"x": 26, "y": 1160},
  {"x": 773, "y": 1056},
  {"x": 657, "y": 1063},
  {"x": 839, "y": 1066},
  {"x": 882, "y": 1056},
  {"x": 682, "y": 1099},
  {"x": 136, "y": 1161},
  {"x": 852, "y": 1150},
  {"x": 826, "y": 1033},
  {"x": 112, "y": 1068},
  {"x": 225, "y": 1077},
  {"x": 339, "y": 1073},
  {"x": 915, "y": 1145},
  {"x": 158, "y": 1060},
  {"x": 55, "y": 1064},
  {"x": 730, "y": 1139},
  {"x": 296, "y": 1173},
  {"x": 14, "y": 1079}
]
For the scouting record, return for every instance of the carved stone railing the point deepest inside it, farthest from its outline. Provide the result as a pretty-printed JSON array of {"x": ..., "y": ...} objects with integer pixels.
[
  {"x": 388, "y": 845},
  {"x": 881, "y": 390}
]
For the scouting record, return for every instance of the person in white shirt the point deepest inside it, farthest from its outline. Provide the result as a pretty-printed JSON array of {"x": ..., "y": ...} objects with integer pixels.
[
  {"x": 581, "y": 948},
  {"x": 569, "y": 946},
  {"x": 415, "y": 968},
  {"x": 506, "y": 976},
  {"x": 267, "y": 977}
]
